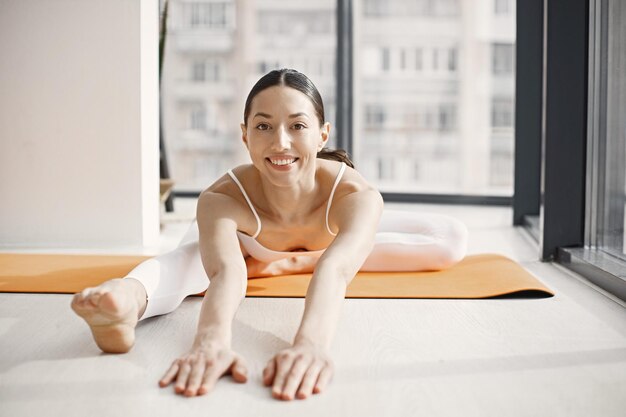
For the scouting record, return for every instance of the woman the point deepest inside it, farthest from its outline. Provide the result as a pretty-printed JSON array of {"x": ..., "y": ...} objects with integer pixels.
[{"x": 297, "y": 208}]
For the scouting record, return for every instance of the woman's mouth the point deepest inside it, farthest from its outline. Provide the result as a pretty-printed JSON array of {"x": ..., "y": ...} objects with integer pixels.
[{"x": 281, "y": 162}]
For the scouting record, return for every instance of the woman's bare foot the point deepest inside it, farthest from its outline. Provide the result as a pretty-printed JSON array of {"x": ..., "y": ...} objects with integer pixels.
[{"x": 112, "y": 310}]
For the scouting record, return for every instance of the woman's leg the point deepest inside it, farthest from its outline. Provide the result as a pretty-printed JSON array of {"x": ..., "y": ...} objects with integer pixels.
[
  {"x": 415, "y": 241},
  {"x": 172, "y": 276},
  {"x": 113, "y": 308}
]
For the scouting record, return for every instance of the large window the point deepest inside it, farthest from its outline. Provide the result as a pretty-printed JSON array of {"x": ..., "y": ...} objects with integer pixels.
[
  {"x": 433, "y": 84},
  {"x": 434, "y": 94},
  {"x": 215, "y": 51},
  {"x": 572, "y": 97},
  {"x": 606, "y": 208}
]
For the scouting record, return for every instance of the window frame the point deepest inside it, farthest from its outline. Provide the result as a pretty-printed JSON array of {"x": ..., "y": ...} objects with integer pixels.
[
  {"x": 558, "y": 104},
  {"x": 598, "y": 266}
]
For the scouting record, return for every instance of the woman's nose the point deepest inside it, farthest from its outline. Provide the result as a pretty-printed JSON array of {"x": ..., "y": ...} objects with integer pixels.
[{"x": 281, "y": 139}]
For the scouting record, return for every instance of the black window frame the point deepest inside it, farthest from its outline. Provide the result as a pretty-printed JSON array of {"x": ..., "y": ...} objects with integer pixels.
[{"x": 552, "y": 137}]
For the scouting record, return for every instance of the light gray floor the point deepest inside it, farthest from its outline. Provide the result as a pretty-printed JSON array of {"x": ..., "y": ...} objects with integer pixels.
[{"x": 560, "y": 356}]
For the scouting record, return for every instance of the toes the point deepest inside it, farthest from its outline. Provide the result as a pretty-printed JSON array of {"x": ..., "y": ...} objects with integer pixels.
[
  {"x": 88, "y": 299},
  {"x": 108, "y": 303},
  {"x": 80, "y": 299}
]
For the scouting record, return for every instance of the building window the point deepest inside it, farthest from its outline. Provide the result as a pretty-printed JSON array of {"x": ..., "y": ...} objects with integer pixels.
[
  {"x": 386, "y": 58},
  {"x": 198, "y": 118},
  {"x": 446, "y": 8},
  {"x": 385, "y": 169},
  {"x": 404, "y": 8},
  {"x": 208, "y": 15},
  {"x": 452, "y": 59},
  {"x": 502, "y": 58},
  {"x": 374, "y": 115},
  {"x": 295, "y": 23},
  {"x": 374, "y": 8},
  {"x": 447, "y": 117},
  {"x": 500, "y": 168},
  {"x": 502, "y": 112},
  {"x": 205, "y": 70},
  {"x": 428, "y": 119},
  {"x": 416, "y": 170},
  {"x": 502, "y": 7},
  {"x": 411, "y": 118},
  {"x": 402, "y": 59},
  {"x": 213, "y": 70},
  {"x": 419, "y": 64},
  {"x": 198, "y": 71}
]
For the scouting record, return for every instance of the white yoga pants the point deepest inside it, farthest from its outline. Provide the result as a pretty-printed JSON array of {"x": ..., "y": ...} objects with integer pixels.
[{"x": 405, "y": 241}]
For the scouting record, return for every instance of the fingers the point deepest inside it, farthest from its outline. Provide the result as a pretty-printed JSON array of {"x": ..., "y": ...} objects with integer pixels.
[
  {"x": 201, "y": 378},
  {"x": 169, "y": 375},
  {"x": 211, "y": 376},
  {"x": 309, "y": 380},
  {"x": 269, "y": 372},
  {"x": 198, "y": 368},
  {"x": 197, "y": 374},
  {"x": 232, "y": 362},
  {"x": 284, "y": 361},
  {"x": 295, "y": 375},
  {"x": 239, "y": 370},
  {"x": 323, "y": 380},
  {"x": 292, "y": 372},
  {"x": 183, "y": 375}
]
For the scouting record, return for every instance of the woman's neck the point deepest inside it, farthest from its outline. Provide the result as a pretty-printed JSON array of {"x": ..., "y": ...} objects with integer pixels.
[{"x": 291, "y": 203}]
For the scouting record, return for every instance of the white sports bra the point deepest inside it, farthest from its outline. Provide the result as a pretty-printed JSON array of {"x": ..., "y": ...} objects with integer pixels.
[{"x": 260, "y": 252}]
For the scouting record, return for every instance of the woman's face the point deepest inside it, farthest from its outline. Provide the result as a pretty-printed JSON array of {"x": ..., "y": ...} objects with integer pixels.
[{"x": 283, "y": 134}]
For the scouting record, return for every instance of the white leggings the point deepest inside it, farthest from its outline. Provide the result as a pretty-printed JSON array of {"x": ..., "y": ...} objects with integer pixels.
[{"x": 405, "y": 241}]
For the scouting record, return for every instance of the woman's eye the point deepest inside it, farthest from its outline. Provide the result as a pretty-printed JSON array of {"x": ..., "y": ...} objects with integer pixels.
[
  {"x": 299, "y": 126},
  {"x": 262, "y": 126}
]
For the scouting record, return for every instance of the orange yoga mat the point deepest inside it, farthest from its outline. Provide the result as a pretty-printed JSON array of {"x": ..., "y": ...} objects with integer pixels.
[{"x": 476, "y": 276}]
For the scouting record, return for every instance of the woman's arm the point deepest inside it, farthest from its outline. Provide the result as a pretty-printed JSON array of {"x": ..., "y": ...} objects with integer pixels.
[
  {"x": 307, "y": 364},
  {"x": 210, "y": 355},
  {"x": 223, "y": 263},
  {"x": 358, "y": 215}
]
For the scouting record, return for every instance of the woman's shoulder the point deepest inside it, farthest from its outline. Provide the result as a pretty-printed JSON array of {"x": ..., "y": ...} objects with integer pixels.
[
  {"x": 225, "y": 184},
  {"x": 229, "y": 189},
  {"x": 351, "y": 182},
  {"x": 224, "y": 195},
  {"x": 355, "y": 185}
]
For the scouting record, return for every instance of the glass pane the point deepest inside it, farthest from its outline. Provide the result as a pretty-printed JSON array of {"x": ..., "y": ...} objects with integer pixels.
[
  {"x": 215, "y": 51},
  {"x": 612, "y": 232},
  {"x": 434, "y": 95}
]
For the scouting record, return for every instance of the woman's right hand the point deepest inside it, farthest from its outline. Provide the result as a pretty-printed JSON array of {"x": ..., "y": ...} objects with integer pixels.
[{"x": 197, "y": 372}]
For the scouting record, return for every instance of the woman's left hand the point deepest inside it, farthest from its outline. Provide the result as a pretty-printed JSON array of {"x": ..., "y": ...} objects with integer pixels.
[{"x": 302, "y": 367}]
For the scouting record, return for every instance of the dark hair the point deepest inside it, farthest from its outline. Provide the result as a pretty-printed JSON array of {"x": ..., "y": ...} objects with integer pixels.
[{"x": 298, "y": 81}]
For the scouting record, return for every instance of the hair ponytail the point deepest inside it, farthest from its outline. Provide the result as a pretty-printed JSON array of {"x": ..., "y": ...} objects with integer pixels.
[{"x": 335, "y": 155}]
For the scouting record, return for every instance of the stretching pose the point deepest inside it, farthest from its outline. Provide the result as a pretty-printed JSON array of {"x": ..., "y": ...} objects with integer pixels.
[{"x": 297, "y": 208}]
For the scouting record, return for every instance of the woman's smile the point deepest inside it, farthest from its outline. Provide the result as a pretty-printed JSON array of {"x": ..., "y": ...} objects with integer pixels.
[{"x": 282, "y": 164}]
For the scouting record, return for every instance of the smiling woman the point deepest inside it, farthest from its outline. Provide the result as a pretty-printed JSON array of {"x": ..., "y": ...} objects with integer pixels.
[
  {"x": 295, "y": 208},
  {"x": 299, "y": 82}
]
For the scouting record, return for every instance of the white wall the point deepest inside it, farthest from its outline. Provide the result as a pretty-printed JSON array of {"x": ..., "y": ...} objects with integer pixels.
[{"x": 79, "y": 156}]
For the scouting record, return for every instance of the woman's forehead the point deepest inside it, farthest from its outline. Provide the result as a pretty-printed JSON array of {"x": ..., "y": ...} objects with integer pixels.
[{"x": 282, "y": 100}]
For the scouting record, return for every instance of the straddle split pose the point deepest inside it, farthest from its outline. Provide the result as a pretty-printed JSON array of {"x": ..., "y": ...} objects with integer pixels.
[{"x": 298, "y": 208}]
